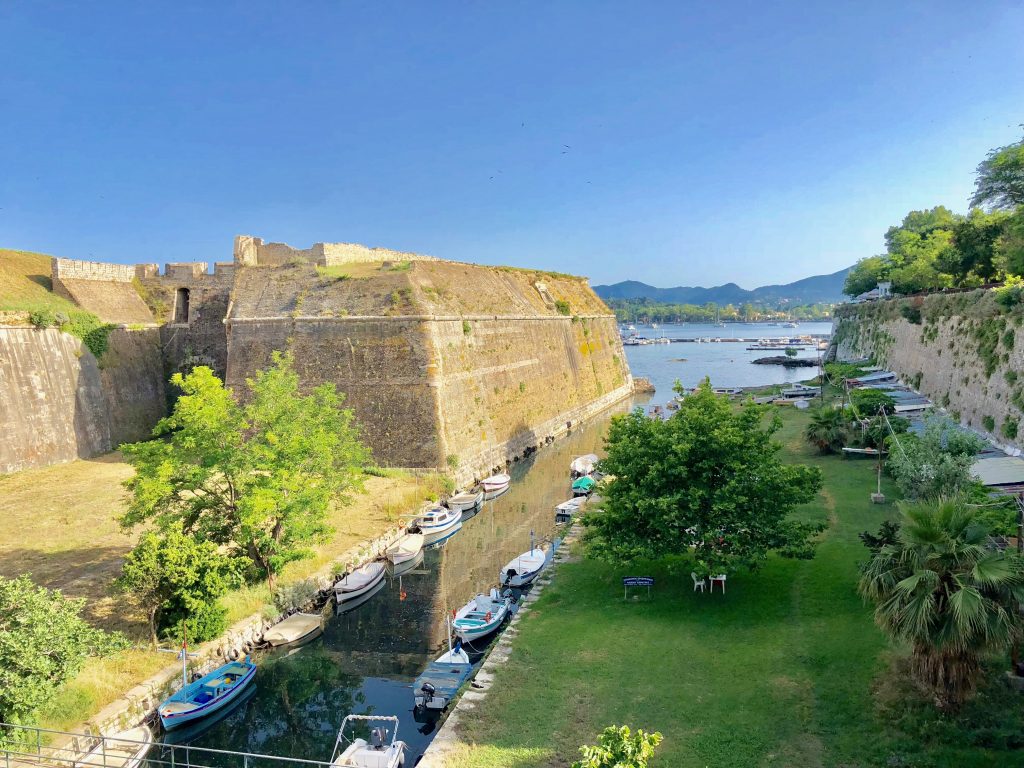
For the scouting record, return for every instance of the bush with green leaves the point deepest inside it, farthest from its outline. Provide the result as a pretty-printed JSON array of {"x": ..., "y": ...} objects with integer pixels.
[
  {"x": 829, "y": 428},
  {"x": 43, "y": 643},
  {"x": 935, "y": 464},
  {"x": 870, "y": 402},
  {"x": 178, "y": 581},
  {"x": 43, "y": 318},
  {"x": 563, "y": 307},
  {"x": 619, "y": 748},
  {"x": 256, "y": 478}
]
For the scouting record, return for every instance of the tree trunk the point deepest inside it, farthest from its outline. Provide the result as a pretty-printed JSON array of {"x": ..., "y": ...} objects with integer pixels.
[{"x": 152, "y": 626}]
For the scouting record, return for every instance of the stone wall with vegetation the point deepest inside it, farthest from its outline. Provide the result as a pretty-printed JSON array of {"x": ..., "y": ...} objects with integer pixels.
[
  {"x": 447, "y": 365},
  {"x": 965, "y": 351},
  {"x": 58, "y": 402}
]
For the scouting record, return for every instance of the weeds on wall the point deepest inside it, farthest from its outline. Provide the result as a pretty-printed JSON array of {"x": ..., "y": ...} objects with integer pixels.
[
  {"x": 84, "y": 325},
  {"x": 563, "y": 308}
]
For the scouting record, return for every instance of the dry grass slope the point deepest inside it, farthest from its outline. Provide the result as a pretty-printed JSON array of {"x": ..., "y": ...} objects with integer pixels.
[{"x": 25, "y": 283}]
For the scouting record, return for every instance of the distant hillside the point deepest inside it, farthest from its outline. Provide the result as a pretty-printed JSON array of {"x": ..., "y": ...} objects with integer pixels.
[{"x": 810, "y": 290}]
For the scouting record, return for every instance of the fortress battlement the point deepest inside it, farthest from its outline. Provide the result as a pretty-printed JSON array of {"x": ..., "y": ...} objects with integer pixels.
[{"x": 253, "y": 252}]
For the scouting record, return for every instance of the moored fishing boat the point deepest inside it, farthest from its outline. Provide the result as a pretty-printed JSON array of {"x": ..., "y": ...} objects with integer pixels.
[
  {"x": 437, "y": 685},
  {"x": 359, "y": 582},
  {"x": 405, "y": 548},
  {"x": 375, "y": 752},
  {"x": 207, "y": 694},
  {"x": 124, "y": 749},
  {"x": 466, "y": 501},
  {"x": 583, "y": 465},
  {"x": 481, "y": 616},
  {"x": 435, "y": 521},
  {"x": 495, "y": 485},
  {"x": 296, "y": 630},
  {"x": 523, "y": 569},
  {"x": 583, "y": 486}
]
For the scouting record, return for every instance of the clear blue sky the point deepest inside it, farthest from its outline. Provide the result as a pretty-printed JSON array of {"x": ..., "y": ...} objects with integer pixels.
[{"x": 708, "y": 142}]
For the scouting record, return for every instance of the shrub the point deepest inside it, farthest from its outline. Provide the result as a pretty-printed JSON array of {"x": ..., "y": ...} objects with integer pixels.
[
  {"x": 453, "y": 461},
  {"x": 563, "y": 307},
  {"x": 43, "y": 318},
  {"x": 988, "y": 423},
  {"x": 618, "y": 748},
  {"x": 1011, "y": 293},
  {"x": 466, "y": 328},
  {"x": 911, "y": 314},
  {"x": 868, "y": 402},
  {"x": 1009, "y": 429}
]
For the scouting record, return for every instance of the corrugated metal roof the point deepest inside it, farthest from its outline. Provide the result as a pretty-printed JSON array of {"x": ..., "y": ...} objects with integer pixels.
[{"x": 1004, "y": 470}]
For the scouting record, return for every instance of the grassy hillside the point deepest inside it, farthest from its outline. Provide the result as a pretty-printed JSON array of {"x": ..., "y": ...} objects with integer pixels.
[{"x": 25, "y": 284}]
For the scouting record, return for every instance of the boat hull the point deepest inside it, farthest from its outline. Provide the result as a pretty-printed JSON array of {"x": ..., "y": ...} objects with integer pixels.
[
  {"x": 177, "y": 719},
  {"x": 347, "y": 595}
]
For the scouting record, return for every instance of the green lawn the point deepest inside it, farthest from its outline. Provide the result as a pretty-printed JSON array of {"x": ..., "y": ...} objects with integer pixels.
[
  {"x": 25, "y": 283},
  {"x": 778, "y": 671}
]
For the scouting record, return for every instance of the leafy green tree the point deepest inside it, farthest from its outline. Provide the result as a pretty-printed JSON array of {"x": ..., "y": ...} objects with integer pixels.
[
  {"x": 866, "y": 274},
  {"x": 870, "y": 402},
  {"x": 1009, "y": 248},
  {"x": 257, "y": 478},
  {"x": 936, "y": 464},
  {"x": 972, "y": 259},
  {"x": 618, "y": 748},
  {"x": 943, "y": 590},
  {"x": 706, "y": 483},
  {"x": 828, "y": 428},
  {"x": 1000, "y": 182},
  {"x": 43, "y": 644},
  {"x": 178, "y": 580}
]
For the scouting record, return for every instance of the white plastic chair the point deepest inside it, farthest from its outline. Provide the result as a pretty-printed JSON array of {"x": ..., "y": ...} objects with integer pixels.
[
  {"x": 720, "y": 578},
  {"x": 701, "y": 583}
]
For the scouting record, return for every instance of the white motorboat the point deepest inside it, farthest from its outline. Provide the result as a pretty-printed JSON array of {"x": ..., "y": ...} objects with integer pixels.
[
  {"x": 435, "y": 521},
  {"x": 124, "y": 749},
  {"x": 360, "y": 581},
  {"x": 482, "y": 615},
  {"x": 297, "y": 629},
  {"x": 377, "y": 752},
  {"x": 583, "y": 465},
  {"x": 495, "y": 485},
  {"x": 464, "y": 502},
  {"x": 572, "y": 505},
  {"x": 407, "y": 565},
  {"x": 522, "y": 570},
  {"x": 405, "y": 548},
  {"x": 348, "y": 606}
]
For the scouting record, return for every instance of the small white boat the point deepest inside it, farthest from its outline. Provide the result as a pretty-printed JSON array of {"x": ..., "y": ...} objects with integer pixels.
[
  {"x": 482, "y": 615},
  {"x": 297, "y": 629},
  {"x": 124, "y": 749},
  {"x": 433, "y": 522},
  {"x": 522, "y": 570},
  {"x": 405, "y": 548},
  {"x": 583, "y": 465},
  {"x": 464, "y": 502},
  {"x": 572, "y": 505},
  {"x": 408, "y": 565},
  {"x": 350, "y": 605},
  {"x": 495, "y": 485},
  {"x": 360, "y": 581},
  {"x": 377, "y": 752}
]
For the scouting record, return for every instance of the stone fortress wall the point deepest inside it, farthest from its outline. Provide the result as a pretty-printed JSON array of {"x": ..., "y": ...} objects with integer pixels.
[
  {"x": 448, "y": 366},
  {"x": 960, "y": 350}
]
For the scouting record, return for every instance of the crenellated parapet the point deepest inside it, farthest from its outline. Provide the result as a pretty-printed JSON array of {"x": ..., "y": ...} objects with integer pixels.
[{"x": 253, "y": 252}]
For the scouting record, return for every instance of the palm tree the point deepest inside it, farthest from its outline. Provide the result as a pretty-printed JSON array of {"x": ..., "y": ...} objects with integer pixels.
[
  {"x": 827, "y": 429},
  {"x": 944, "y": 590}
]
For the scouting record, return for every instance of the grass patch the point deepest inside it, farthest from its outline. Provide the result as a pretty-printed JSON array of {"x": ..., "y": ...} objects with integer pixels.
[
  {"x": 334, "y": 273},
  {"x": 779, "y": 671},
  {"x": 25, "y": 284}
]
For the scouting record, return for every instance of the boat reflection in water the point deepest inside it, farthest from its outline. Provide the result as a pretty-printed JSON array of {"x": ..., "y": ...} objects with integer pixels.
[{"x": 369, "y": 655}]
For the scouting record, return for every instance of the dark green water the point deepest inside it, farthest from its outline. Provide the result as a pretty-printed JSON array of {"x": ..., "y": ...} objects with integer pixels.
[{"x": 367, "y": 659}]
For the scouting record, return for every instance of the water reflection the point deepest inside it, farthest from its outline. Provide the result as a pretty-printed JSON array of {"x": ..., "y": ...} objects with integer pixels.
[{"x": 370, "y": 654}]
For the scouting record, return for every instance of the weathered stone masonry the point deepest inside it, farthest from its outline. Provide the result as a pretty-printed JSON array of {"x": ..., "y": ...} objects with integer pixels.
[{"x": 961, "y": 350}]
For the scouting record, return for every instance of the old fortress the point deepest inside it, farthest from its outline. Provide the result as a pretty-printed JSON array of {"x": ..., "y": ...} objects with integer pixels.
[{"x": 447, "y": 365}]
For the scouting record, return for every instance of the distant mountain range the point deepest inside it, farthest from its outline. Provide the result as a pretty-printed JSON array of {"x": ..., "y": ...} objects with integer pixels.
[{"x": 811, "y": 290}]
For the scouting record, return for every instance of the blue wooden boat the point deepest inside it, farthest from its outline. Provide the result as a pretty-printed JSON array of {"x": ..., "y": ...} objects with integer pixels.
[{"x": 207, "y": 695}]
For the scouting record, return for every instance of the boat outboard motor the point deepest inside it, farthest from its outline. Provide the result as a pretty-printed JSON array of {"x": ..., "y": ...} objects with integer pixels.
[
  {"x": 378, "y": 738},
  {"x": 455, "y": 648},
  {"x": 510, "y": 574},
  {"x": 428, "y": 692}
]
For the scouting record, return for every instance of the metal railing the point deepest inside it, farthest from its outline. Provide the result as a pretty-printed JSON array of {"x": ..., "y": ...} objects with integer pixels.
[{"x": 24, "y": 746}]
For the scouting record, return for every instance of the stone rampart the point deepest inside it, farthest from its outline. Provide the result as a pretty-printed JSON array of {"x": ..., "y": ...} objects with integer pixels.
[
  {"x": 963, "y": 351},
  {"x": 58, "y": 403},
  {"x": 253, "y": 252},
  {"x": 104, "y": 289},
  {"x": 448, "y": 366}
]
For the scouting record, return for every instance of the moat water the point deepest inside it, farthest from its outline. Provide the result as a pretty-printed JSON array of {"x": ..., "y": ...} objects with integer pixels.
[{"x": 367, "y": 659}]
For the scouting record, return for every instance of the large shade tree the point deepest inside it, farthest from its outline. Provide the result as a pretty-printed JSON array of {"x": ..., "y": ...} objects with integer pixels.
[
  {"x": 707, "y": 482},
  {"x": 255, "y": 477},
  {"x": 943, "y": 590}
]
